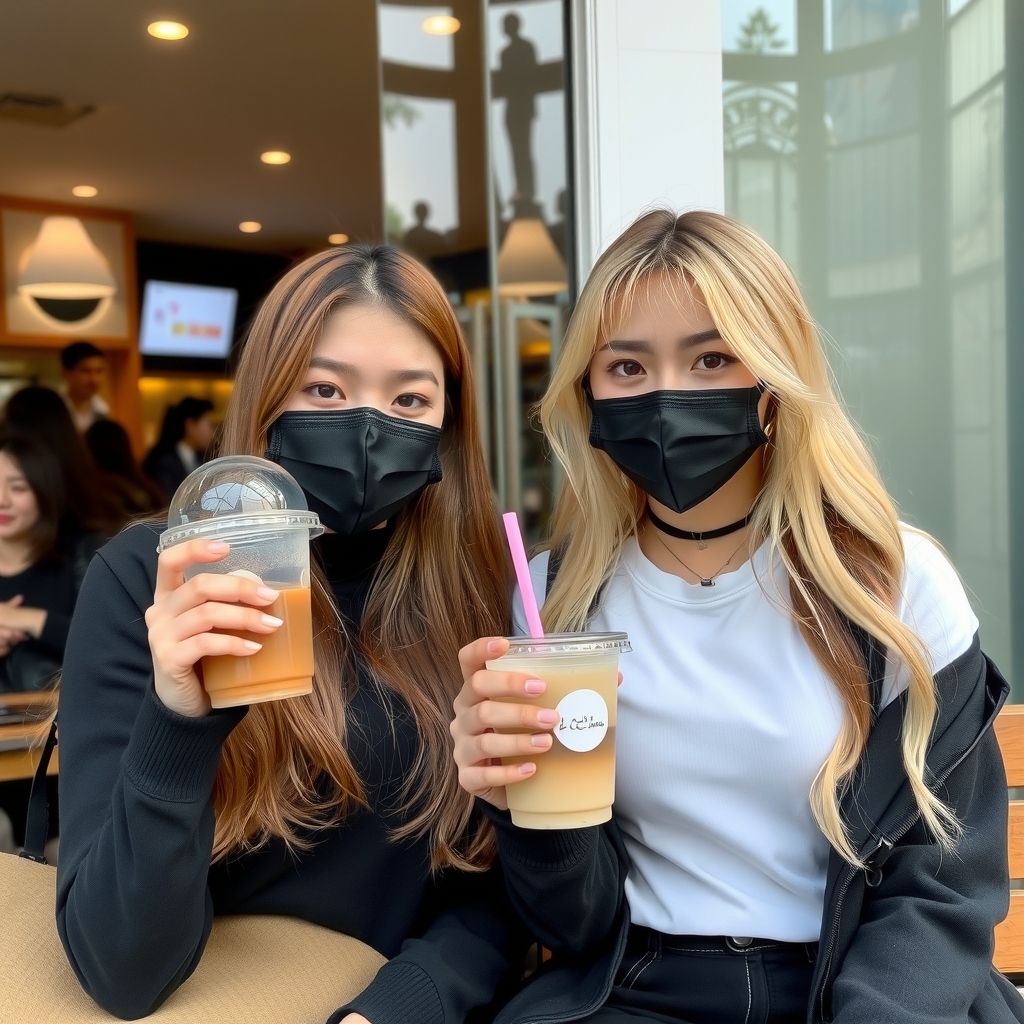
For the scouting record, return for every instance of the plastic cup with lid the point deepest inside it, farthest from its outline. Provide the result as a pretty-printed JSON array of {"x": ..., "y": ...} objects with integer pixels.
[
  {"x": 258, "y": 509},
  {"x": 574, "y": 784}
]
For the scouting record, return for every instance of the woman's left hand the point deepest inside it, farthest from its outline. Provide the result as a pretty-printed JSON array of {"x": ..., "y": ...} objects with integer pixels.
[
  {"x": 354, "y": 1018},
  {"x": 18, "y": 623}
]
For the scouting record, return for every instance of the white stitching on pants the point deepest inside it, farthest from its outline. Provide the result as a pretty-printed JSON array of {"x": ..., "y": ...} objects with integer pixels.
[
  {"x": 644, "y": 962},
  {"x": 632, "y": 984},
  {"x": 750, "y": 993}
]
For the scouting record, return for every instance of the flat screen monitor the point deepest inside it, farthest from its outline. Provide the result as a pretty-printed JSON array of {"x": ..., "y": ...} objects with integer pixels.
[{"x": 187, "y": 320}]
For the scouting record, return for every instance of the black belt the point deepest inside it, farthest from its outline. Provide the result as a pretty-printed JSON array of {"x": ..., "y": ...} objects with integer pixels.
[{"x": 643, "y": 939}]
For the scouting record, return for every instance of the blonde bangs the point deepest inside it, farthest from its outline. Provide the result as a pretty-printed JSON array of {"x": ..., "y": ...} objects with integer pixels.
[{"x": 823, "y": 509}]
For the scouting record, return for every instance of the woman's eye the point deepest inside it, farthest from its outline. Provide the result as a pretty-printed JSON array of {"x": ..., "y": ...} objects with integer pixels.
[
  {"x": 410, "y": 401},
  {"x": 712, "y": 361},
  {"x": 325, "y": 391},
  {"x": 626, "y": 368}
]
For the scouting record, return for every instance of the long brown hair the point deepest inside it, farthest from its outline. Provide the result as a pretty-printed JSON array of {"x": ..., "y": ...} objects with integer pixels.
[{"x": 442, "y": 582}]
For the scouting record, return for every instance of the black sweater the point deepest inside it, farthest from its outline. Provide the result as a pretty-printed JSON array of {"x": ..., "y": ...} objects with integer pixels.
[
  {"x": 52, "y": 588},
  {"x": 136, "y": 892}
]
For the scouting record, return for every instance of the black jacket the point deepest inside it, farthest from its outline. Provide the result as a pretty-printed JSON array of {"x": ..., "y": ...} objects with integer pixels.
[
  {"x": 136, "y": 892},
  {"x": 908, "y": 939}
]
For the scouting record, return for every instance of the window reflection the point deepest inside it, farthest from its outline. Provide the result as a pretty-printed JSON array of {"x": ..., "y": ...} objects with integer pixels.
[
  {"x": 421, "y": 183},
  {"x": 855, "y": 22},
  {"x": 404, "y": 40},
  {"x": 759, "y": 26},
  {"x": 525, "y": 54},
  {"x": 871, "y": 157}
]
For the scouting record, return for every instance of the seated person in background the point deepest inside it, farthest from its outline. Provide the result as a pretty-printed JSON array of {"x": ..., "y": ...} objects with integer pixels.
[
  {"x": 40, "y": 413},
  {"x": 40, "y": 569},
  {"x": 84, "y": 369},
  {"x": 185, "y": 436},
  {"x": 119, "y": 473}
]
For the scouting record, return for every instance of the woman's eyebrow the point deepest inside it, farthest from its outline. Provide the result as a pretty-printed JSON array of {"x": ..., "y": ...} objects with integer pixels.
[
  {"x": 323, "y": 363},
  {"x": 646, "y": 348},
  {"x": 412, "y": 376},
  {"x": 712, "y": 334},
  {"x": 622, "y": 345}
]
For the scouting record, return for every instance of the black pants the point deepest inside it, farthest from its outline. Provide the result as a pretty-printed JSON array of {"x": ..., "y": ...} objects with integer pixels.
[{"x": 709, "y": 980}]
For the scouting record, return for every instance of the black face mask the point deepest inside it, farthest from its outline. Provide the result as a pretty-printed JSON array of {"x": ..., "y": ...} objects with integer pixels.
[
  {"x": 679, "y": 446},
  {"x": 357, "y": 467}
]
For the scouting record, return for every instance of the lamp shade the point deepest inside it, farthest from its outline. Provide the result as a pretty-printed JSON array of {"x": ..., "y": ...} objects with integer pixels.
[
  {"x": 528, "y": 262},
  {"x": 64, "y": 263}
]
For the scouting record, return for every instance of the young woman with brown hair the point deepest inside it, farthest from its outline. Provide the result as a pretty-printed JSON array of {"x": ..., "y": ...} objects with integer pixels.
[
  {"x": 809, "y": 821},
  {"x": 342, "y": 808}
]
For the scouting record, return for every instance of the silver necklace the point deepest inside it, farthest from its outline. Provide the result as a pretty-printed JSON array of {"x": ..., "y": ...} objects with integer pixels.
[{"x": 705, "y": 581}]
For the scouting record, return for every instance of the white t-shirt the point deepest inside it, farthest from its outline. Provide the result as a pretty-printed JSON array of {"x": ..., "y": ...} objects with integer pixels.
[{"x": 725, "y": 717}]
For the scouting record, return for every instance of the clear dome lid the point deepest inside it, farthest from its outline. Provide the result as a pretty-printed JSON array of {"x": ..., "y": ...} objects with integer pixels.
[{"x": 233, "y": 496}]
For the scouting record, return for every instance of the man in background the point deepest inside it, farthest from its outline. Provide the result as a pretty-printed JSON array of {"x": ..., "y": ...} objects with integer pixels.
[{"x": 84, "y": 369}]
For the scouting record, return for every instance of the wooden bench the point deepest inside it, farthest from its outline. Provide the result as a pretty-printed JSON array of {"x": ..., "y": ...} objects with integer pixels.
[{"x": 1009, "y": 955}]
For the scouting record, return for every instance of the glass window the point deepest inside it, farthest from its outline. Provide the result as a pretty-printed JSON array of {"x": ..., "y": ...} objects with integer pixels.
[
  {"x": 759, "y": 26},
  {"x": 873, "y": 163},
  {"x": 856, "y": 22}
]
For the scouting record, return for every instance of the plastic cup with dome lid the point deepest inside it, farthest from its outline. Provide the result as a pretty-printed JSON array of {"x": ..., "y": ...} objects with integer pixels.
[{"x": 259, "y": 510}]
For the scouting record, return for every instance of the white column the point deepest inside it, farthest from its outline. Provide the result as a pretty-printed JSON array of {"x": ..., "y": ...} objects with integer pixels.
[{"x": 647, "y": 81}]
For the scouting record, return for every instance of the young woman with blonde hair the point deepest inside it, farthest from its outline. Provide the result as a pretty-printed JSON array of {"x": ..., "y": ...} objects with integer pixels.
[
  {"x": 810, "y": 821},
  {"x": 343, "y": 807}
]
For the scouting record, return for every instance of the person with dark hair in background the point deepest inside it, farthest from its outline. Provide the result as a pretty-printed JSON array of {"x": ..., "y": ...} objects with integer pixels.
[
  {"x": 186, "y": 435},
  {"x": 41, "y": 567},
  {"x": 40, "y": 413},
  {"x": 119, "y": 473},
  {"x": 84, "y": 369}
]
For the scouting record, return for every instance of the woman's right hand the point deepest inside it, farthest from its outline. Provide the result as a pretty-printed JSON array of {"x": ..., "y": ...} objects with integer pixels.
[
  {"x": 479, "y": 713},
  {"x": 183, "y": 615}
]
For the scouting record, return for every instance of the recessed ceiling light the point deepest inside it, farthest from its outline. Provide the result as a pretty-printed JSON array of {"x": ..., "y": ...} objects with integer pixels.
[
  {"x": 337, "y": 238},
  {"x": 85, "y": 191},
  {"x": 441, "y": 25},
  {"x": 275, "y": 156},
  {"x": 250, "y": 227},
  {"x": 167, "y": 30}
]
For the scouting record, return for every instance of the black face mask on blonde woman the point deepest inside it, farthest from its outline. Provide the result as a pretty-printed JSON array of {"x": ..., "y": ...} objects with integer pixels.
[{"x": 679, "y": 447}]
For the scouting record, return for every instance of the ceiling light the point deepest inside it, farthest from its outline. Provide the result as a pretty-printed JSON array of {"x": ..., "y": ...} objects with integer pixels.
[
  {"x": 167, "y": 30},
  {"x": 85, "y": 191},
  {"x": 337, "y": 238},
  {"x": 65, "y": 264},
  {"x": 441, "y": 25},
  {"x": 275, "y": 156},
  {"x": 250, "y": 227}
]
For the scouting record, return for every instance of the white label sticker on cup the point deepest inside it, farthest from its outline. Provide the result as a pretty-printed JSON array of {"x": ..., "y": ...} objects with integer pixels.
[{"x": 584, "y": 720}]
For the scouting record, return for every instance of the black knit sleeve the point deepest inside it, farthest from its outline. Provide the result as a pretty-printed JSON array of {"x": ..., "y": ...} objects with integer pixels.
[{"x": 133, "y": 908}]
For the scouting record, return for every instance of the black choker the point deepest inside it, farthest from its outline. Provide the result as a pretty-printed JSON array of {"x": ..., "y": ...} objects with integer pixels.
[{"x": 700, "y": 538}]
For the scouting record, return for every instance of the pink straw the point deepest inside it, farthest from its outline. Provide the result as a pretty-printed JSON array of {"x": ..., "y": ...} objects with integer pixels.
[{"x": 515, "y": 546}]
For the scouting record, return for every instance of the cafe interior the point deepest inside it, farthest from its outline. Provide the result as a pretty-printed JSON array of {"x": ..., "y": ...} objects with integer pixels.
[{"x": 163, "y": 164}]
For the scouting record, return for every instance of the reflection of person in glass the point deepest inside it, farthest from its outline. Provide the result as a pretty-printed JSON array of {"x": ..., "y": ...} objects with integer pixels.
[
  {"x": 421, "y": 240},
  {"x": 519, "y": 70}
]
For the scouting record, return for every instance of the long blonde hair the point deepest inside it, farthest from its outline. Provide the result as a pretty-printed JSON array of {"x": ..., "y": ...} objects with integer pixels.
[
  {"x": 443, "y": 581},
  {"x": 823, "y": 507}
]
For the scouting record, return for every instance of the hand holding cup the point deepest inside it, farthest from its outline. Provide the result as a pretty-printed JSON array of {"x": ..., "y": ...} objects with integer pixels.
[
  {"x": 482, "y": 715},
  {"x": 186, "y": 618}
]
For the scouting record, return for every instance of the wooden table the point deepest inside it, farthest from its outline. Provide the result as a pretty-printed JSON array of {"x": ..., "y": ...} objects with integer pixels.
[{"x": 27, "y": 737}]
